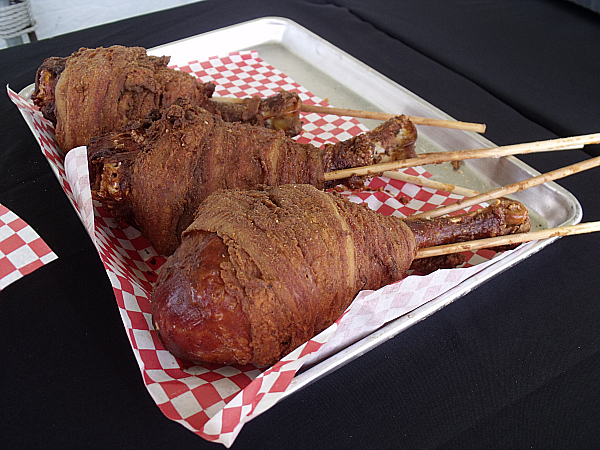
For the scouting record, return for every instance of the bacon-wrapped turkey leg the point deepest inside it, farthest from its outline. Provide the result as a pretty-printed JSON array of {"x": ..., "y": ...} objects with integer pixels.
[
  {"x": 96, "y": 91},
  {"x": 260, "y": 272},
  {"x": 154, "y": 175}
]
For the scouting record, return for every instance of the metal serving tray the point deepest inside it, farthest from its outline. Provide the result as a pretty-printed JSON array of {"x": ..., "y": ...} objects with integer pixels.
[{"x": 330, "y": 73}]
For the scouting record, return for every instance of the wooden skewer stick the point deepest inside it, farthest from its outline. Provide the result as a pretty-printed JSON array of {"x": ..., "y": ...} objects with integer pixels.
[
  {"x": 422, "y": 181},
  {"x": 455, "y": 124},
  {"x": 459, "y": 155},
  {"x": 467, "y": 126},
  {"x": 510, "y": 189},
  {"x": 510, "y": 239}
]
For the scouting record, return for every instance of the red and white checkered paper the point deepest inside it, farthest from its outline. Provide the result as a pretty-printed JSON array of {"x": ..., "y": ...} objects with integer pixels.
[
  {"x": 21, "y": 249},
  {"x": 215, "y": 401}
]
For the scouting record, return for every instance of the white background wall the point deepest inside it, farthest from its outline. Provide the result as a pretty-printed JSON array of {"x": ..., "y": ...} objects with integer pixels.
[{"x": 55, "y": 17}]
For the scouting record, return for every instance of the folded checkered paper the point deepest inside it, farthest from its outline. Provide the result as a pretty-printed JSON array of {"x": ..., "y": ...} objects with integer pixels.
[
  {"x": 215, "y": 401},
  {"x": 21, "y": 249}
]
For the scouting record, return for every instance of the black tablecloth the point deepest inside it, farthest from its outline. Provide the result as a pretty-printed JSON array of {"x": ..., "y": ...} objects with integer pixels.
[{"x": 514, "y": 364}]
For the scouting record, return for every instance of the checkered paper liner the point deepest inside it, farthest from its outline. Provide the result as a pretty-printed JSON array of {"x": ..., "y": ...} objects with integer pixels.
[
  {"x": 21, "y": 249},
  {"x": 215, "y": 401}
]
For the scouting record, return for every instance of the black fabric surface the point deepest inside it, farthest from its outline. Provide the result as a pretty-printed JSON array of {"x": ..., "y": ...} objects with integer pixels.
[{"x": 513, "y": 364}]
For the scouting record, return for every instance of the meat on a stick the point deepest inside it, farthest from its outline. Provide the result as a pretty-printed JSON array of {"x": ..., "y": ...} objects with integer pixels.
[
  {"x": 96, "y": 91},
  {"x": 153, "y": 176},
  {"x": 259, "y": 272}
]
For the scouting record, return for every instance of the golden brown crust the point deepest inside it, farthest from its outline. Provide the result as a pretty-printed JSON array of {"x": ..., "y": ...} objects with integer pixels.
[
  {"x": 292, "y": 258},
  {"x": 297, "y": 258},
  {"x": 95, "y": 91},
  {"x": 191, "y": 153},
  {"x": 197, "y": 319},
  {"x": 103, "y": 89}
]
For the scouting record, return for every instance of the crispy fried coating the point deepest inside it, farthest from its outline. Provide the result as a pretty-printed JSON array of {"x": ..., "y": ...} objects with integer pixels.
[
  {"x": 154, "y": 178},
  {"x": 103, "y": 89},
  {"x": 96, "y": 91},
  {"x": 289, "y": 262},
  {"x": 260, "y": 272}
]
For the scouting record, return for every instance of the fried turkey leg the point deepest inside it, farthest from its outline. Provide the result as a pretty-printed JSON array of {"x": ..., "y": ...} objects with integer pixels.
[
  {"x": 155, "y": 174},
  {"x": 96, "y": 91},
  {"x": 260, "y": 272}
]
